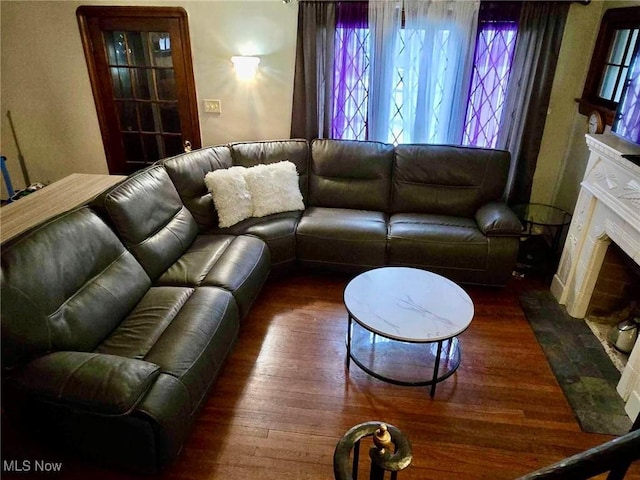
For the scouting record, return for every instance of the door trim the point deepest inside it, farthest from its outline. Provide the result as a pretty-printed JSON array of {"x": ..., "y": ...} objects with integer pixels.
[{"x": 179, "y": 14}]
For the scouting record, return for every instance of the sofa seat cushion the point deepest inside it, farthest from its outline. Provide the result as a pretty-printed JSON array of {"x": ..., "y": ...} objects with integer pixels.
[
  {"x": 186, "y": 331},
  {"x": 433, "y": 241},
  {"x": 343, "y": 238},
  {"x": 237, "y": 264},
  {"x": 278, "y": 231},
  {"x": 142, "y": 328}
]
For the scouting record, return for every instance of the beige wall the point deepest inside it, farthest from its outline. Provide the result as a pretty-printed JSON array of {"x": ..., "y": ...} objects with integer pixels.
[
  {"x": 564, "y": 127},
  {"x": 46, "y": 86},
  {"x": 563, "y": 153}
]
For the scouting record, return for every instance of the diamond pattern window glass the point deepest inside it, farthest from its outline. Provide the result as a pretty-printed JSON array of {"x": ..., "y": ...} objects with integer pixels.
[
  {"x": 492, "y": 65},
  {"x": 403, "y": 74},
  {"x": 351, "y": 80},
  {"x": 495, "y": 46}
]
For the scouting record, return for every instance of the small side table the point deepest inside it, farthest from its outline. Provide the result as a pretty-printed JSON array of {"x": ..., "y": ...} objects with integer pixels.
[{"x": 541, "y": 222}]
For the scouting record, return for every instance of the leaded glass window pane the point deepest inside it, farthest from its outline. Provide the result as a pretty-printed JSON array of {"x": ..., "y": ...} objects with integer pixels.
[
  {"x": 351, "y": 80},
  {"x": 492, "y": 66}
]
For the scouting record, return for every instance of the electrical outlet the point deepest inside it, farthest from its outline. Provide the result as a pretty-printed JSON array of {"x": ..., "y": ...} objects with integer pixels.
[{"x": 212, "y": 106}]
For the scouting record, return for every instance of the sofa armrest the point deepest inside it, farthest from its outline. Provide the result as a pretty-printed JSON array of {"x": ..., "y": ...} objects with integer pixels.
[
  {"x": 497, "y": 219},
  {"x": 94, "y": 382}
]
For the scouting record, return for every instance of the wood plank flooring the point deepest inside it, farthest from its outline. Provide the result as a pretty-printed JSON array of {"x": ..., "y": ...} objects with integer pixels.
[{"x": 284, "y": 398}]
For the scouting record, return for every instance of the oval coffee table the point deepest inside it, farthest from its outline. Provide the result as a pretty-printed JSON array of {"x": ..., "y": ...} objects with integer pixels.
[{"x": 403, "y": 322}]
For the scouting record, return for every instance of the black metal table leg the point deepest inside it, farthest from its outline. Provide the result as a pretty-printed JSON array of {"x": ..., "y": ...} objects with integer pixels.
[
  {"x": 436, "y": 368},
  {"x": 348, "y": 359}
]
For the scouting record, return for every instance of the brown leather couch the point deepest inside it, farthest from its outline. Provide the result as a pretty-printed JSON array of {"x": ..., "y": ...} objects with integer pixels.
[{"x": 116, "y": 317}]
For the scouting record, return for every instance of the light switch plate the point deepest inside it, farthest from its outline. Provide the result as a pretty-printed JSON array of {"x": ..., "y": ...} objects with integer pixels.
[{"x": 212, "y": 106}]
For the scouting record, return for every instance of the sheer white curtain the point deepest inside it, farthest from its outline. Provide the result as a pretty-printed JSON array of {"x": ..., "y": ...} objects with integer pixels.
[
  {"x": 422, "y": 71},
  {"x": 385, "y": 21}
]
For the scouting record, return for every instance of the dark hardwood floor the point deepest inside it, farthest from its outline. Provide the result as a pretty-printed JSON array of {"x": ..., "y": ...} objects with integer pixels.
[{"x": 284, "y": 398}]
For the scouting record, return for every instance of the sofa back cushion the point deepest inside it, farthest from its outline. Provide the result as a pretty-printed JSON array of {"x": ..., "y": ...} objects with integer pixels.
[
  {"x": 350, "y": 174},
  {"x": 187, "y": 172},
  {"x": 447, "y": 180},
  {"x": 148, "y": 214},
  {"x": 66, "y": 285},
  {"x": 296, "y": 151}
]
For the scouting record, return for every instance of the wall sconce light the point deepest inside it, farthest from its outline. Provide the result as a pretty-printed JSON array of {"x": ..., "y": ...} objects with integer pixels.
[{"x": 245, "y": 67}]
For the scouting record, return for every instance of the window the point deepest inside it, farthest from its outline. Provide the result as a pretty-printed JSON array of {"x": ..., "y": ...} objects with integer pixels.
[
  {"x": 617, "y": 39},
  {"x": 617, "y": 64},
  {"x": 627, "y": 121},
  {"x": 491, "y": 68},
  {"x": 351, "y": 74},
  {"x": 494, "y": 49}
]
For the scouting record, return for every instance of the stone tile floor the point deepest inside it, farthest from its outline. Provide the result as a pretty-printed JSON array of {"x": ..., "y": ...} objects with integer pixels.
[
  {"x": 601, "y": 331},
  {"x": 583, "y": 369}
]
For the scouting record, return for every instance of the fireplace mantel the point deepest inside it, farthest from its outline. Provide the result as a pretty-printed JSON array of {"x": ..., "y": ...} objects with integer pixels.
[{"x": 608, "y": 210}]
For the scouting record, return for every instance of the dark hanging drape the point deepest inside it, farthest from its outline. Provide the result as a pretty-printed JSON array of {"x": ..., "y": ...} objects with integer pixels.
[
  {"x": 540, "y": 30},
  {"x": 315, "y": 63},
  {"x": 313, "y": 80}
]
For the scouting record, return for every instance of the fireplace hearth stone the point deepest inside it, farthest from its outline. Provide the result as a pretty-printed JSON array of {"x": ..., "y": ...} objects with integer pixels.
[
  {"x": 583, "y": 370},
  {"x": 607, "y": 211}
]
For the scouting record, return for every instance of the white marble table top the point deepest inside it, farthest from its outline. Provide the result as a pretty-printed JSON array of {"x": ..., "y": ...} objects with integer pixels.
[{"x": 408, "y": 304}]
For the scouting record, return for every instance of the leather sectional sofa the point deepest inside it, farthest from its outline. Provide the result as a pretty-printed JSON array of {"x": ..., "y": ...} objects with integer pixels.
[{"x": 117, "y": 316}]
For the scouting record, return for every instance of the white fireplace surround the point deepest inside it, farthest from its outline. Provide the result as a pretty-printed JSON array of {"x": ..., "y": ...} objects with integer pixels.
[{"x": 608, "y": 210}]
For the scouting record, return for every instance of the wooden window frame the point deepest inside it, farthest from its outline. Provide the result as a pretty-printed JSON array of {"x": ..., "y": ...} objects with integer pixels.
[{"x": 612, "y": 20}]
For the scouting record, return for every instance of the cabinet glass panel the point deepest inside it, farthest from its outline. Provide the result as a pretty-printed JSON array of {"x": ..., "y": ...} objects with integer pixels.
[
  {"x": 133, "y": 147},
  {"x": 173, "y": 145},
  {"x": 144, "y": 83},
  {"x": 128, "y": 116},
  {"x": 147, "y": 116},
  {"x": 116, "y": 48},
  {"x": 170, "y": 118},
  {"x": 153, "y": 147}
]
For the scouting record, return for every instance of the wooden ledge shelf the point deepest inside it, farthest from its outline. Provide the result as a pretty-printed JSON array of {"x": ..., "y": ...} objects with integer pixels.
[{"x": 59, "y": 197}]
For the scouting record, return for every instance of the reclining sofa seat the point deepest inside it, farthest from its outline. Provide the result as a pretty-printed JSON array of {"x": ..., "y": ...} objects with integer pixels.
[
  {"x": 187, "y": 171},
  {"x": 345, "y": 224},
  {"x": 448, "y": 214},
  {"x": 369, "y": 204},
  {"x": 112, "y": 343},
  {"x": 148, "y": 214},
  {"x": 436, "y": 207},
  {"x": 91, "y": 350}
]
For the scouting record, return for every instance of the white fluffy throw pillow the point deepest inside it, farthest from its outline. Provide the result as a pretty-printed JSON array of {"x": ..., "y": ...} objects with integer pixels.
[
  {"x": 274, "y": 188},
  {"x": 230, "y": 194}
]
